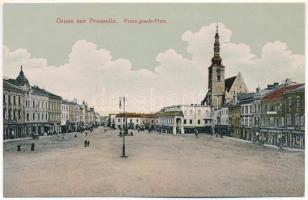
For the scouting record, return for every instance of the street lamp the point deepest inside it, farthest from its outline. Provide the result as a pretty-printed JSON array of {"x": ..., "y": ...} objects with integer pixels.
[{"x": 123, "y": 147}]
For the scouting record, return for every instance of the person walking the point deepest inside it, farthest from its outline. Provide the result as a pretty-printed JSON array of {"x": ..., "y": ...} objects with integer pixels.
[
  {"x": 88, "y": 143},
  {"x": 85, "y": 143},
  {"x": 32, "y": 147}
]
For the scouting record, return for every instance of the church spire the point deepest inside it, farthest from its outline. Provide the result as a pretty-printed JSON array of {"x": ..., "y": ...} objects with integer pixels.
[
  {"x": 21, "y": 72},
  {"x": 216, "y": 59}
]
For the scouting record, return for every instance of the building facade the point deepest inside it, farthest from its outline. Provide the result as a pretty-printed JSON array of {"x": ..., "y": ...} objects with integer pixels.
[
  {"x": 184, "y": 119},
  {"x": 13, "y": 111},
  {"x": 294, "y": 101},
  {"x": 273, "y": 117}
]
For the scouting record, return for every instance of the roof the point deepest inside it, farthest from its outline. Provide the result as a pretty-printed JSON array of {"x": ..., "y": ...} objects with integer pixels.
[
  {"x": 38, "y": 91},
  {"x": 21, "y": 80},
  {"x": 151, "y": 115},
  {"x": 245, "y": 97},
  {"x": 131, "y": 115},
  {"x": 229, "y": 82},
  {"x": 9, "y": 86},
  {"x": 52, "y": 95},
  {"x": 299, "y": 89},
  {"x": 278, "y": 94},
  {"x": 170, "y": 113}
]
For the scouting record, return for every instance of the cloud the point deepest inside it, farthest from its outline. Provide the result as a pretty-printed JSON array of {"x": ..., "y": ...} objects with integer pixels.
[{"x": 92, "y": 74}]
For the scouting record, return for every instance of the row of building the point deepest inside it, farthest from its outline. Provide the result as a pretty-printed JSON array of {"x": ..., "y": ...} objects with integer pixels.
[
  {"x": 31, "y": 110},
  {"x": 274, "y": 115}
]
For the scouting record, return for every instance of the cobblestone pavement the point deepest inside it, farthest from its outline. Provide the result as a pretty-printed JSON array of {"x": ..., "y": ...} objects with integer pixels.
[{"x": 157, "y": 166}]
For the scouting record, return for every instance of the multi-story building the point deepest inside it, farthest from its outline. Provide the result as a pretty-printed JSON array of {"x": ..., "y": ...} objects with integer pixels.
[
  {"x": 13, "y": 111},
  {"x": 234, "y": 114},
  {"x": 65, "y": 116},
  {"x": 294, "y": 101},
  {"x": 273, "y": 119},
  {"x": 112, "y": 120},
  {"x": 78, "y": 116},
  {"x": 83, "y": 113},
  {"x": 184, "y": 119},
  {"x": 222, "y": 120},
  {"x": 148, "y": 121},
  {"x": 37, "y": 111},
  {"x": 245, "y": 101},
  {"x": 133, "y": 120},
  {"x": 54, "y": 112}
]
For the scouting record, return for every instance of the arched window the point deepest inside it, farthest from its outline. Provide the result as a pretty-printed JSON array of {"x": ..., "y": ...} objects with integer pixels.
[
  {"x": 33, "y": 116},
  {"x": 28, "y": 117}
]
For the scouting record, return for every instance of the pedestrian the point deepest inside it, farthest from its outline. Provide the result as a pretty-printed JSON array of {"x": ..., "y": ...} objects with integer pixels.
[
  {"x": 86, "y": 133},
  {"x": 32, "y": 147},
  {"x": 88, "y": 143},
  {"x": 75, "y": 135},
  {"x": 131, "y": 133},
  {"x": 85, "y": 143},
  {"x": 18, "y": 147}
]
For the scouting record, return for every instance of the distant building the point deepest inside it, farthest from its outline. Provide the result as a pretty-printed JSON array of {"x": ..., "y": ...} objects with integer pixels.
[
  {"x": 184, "y": 119},
  {"x": 245, "y": 101},
  {"x": 65, "y": 116}
]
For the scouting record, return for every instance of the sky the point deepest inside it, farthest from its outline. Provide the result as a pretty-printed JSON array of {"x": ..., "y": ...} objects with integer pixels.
[{"x": 153, "y": 65}]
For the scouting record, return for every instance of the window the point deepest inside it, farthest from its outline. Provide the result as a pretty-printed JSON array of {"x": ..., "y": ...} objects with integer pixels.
[
  {"x": 184, "y": 121},
  {"x": 39, "y": 116},
  {"x": 137, "y": 120},
  {"x": 297, "y": 120},
  {"x": 190, "y": 121},
  {"x": 14, "y": 100},
  {"x": 290, "y": 103},
  {"x": 10, "y": 99},
  {"x": 302, "y": 121},
  {"x": 3, "y": 98},
  {"x": 218, "y": 77},
  {"x": 28, "y": 117},
  {"x": 198, "y": 121},
  {"x": 33, "y": 116},
  {"x": 33, "y": 103},
  {"x": 289, "y": 119},
  {"x": 298, "y": 103}
]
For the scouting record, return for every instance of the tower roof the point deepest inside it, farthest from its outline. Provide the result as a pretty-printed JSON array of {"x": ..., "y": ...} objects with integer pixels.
[
  {"x": 216, "y": 58},
  {"x": 22, "y": 80}
]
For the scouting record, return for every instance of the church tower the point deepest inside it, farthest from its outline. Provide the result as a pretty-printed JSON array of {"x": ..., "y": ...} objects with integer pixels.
[{"x": 216, "y": 85}]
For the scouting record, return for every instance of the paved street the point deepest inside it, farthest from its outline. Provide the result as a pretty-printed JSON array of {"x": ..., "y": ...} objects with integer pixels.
[{"x": 157, "y": 165}]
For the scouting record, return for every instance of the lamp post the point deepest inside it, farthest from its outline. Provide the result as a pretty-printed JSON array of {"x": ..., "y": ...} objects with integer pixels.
[{"x": 123, "y": 147}]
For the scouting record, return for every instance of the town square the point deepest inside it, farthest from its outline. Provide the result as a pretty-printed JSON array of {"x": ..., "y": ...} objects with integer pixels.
[
  {"x": 174, "y": 100},
  {"x": 158, "y": 165}
]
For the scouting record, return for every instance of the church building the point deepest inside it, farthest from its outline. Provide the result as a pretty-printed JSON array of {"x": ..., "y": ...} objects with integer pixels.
[{"x": 221, "y": 90}]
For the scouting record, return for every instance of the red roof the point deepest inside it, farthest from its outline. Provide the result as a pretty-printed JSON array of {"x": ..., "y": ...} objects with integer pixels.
[{"x": 278, "y": 94}]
